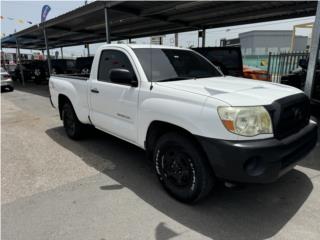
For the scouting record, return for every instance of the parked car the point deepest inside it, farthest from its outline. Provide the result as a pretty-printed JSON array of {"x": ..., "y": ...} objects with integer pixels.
[
  {"x": 297, "y": 78},
  {"x": 6, "y": 81},
  {"x": 228, "y": 59},
  {"x": 83, "y": 65},
  {"x": 196, "y": 124}
]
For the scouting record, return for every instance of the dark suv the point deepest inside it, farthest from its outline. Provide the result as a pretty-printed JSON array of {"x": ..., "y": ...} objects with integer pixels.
[
  {"x": 63, "y": 66},
  {"x": 32, "y": 70},
  {"x": 297, "y": 78},
  {"x": 83, "y": 65},
  {"x": 228, "y": 59}
]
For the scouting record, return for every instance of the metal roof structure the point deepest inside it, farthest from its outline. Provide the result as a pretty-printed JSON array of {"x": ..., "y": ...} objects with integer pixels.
[{"x": 134, "y": 19}]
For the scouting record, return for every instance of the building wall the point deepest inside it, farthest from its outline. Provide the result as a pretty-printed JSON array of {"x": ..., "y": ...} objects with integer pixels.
[{"x": 263, "y": 42}]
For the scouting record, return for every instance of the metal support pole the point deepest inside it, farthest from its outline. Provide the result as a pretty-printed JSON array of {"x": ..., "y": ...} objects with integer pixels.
[
  {"x": 314, "y": 51},
  {"x": 16, "y": 57},
  {"x": 4, "y": 58},
  {"x": 204, "y": 38},
  {"x": 48, "y": 52},
  {"x": 269, "y": 62},
  {"x": 19, "y": 61},
  {"x": 88, "y": 49},
  {"x": 61, "y": 50},
  {"x": 107, "y": 24},
  {"x": 293, "y": 38},
  {"x": 176, "y": 39},
  {"x": 198, "y": 39}
]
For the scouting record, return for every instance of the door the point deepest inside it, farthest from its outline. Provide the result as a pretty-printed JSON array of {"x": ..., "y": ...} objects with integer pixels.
[{"x": 114, "y": 106}]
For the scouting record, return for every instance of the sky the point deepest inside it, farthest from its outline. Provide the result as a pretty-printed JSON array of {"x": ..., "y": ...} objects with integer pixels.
[{"x": 31, "y": 11}]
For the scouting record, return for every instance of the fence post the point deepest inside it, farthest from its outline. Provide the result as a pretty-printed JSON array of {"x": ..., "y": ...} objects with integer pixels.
[
  {"x": 286, "y": 63},
  {"x": 269, "y": 62},
  {"x": 278, "y": 67}
]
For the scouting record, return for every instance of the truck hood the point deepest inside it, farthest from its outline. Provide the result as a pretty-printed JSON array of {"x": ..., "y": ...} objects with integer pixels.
[{"x": 234, "y": 91}]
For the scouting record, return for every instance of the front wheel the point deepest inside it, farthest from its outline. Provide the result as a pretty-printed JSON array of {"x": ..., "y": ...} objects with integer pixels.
[
  {"x": 38, "y": 76},
  {"x": 10, "y": 88},
  {"x": 54, "y": 71},
  {"x": 73, "y": 127},
  {"x": 182, "y": 168}
]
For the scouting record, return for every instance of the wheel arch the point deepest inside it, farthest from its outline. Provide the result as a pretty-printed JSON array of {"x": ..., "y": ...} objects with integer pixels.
[
  {"x": 157, "y": 128},
  {"x": 62, "y": 100}
]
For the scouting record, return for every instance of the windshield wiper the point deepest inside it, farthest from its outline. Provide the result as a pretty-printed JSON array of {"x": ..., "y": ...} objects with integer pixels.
[{"x": 174, "y": 79}]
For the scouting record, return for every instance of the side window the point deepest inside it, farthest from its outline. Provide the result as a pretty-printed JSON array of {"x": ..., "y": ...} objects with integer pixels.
[{"x": 110, "y": 59}]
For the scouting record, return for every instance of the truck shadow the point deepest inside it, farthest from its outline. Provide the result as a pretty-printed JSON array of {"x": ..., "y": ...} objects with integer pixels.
[
  {"x": 252, "y": 212},
  {"x": 29, "y": 87}
]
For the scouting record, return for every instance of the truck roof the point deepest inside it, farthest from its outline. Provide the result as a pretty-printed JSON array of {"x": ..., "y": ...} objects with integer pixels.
[{"x": 134, "y": 46}]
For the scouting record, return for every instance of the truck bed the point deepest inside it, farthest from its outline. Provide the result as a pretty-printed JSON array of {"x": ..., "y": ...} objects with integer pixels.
[{"x": 75, "y": 87}]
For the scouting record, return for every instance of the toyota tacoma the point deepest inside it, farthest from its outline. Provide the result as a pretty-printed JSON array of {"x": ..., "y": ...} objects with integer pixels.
[{"x": 196, "y": 124}]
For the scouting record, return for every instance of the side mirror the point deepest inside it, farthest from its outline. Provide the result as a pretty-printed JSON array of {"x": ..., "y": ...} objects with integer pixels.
[
  {"x": 122, "y": 76},
  {"x": 303, "y": 63}
]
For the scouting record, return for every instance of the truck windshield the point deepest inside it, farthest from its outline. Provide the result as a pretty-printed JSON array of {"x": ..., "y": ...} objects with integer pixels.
[{"x": 174, "y": 64}]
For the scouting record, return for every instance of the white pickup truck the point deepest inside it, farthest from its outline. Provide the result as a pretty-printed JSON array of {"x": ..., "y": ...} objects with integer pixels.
[{"x": 194, "y": 123}]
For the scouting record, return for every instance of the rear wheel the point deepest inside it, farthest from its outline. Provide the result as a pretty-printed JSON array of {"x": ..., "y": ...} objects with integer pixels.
[
  {"x": 73, "y": 127},
  {"x": 182, "y": 168},
  {"x": 85, "y": 71}
]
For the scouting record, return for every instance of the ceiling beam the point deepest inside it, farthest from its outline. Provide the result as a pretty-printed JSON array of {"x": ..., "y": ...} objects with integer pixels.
[
  {"x": 255, "y": 20},
  {"x": 218, "y": 10},
  {"x": 63, "y": 32},
  {"x": 138, "y": 14},
  {"x": 176, "y": 6},
  {"x": 243, "y": 15},
  {"x": 82, "y": 11}
]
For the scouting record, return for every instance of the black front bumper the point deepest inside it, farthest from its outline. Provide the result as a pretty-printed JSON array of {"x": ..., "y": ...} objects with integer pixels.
[{"x": 258, "y": 161}]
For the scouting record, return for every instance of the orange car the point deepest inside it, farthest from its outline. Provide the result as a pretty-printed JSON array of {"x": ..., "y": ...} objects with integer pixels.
[{"x": 255, "y": 73}]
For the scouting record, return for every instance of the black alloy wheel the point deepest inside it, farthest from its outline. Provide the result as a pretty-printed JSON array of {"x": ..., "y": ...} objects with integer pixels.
[
  {"x": 178, "y": 169},
  {"x": 73, "y": 127},
  {"x": 182, "y": 168}
]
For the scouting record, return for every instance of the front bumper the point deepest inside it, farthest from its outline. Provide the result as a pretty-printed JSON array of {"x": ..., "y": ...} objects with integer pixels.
[
  {"x": 258, "y": 161},
  {"x": 7, "y": 83}
]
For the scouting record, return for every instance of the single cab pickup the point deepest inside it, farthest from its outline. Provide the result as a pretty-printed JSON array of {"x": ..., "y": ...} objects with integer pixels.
[{"x": 196, "y": 124}]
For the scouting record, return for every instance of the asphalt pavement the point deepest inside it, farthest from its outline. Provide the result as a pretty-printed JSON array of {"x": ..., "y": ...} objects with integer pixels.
[{"x": 104, "y": 188}]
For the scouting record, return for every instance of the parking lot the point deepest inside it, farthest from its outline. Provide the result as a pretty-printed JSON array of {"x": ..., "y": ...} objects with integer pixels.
[{"x": 103, "y": 188}]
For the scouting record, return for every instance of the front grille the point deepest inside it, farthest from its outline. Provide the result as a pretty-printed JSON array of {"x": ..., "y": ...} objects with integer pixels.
[{"x": 289, "y": 115}]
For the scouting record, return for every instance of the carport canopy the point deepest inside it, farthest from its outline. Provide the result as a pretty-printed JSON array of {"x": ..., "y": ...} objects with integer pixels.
[{"x": 133, "y": 19}]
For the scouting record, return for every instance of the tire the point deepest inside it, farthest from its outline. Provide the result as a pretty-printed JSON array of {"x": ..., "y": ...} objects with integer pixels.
[
  {"x": 38, "y": 75},
  {"x": 7, "y": 89},
  {"x": 182, "y": 168},
  {"x": 54, "y": 71},
  {"x": 73, "y": 127}
]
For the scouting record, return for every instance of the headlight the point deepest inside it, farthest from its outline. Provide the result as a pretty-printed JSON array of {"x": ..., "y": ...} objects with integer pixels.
[{"x": 246, "y": 121}]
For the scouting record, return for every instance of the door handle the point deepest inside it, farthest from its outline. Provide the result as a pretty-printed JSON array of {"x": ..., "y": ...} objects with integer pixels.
[{"x": 94, "y": 90}]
